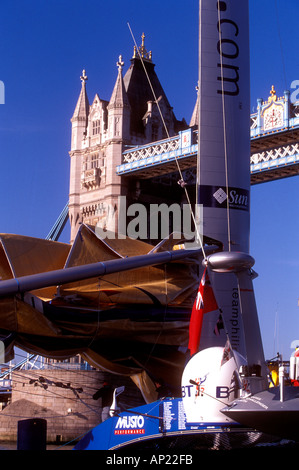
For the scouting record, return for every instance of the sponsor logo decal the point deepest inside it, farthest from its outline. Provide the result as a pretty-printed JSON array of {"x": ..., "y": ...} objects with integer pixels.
[
  {"x": 220, "y": 197},
  {"x": 129, "y": 425}
]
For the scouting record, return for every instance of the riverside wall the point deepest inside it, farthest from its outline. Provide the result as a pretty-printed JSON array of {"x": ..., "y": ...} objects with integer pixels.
[{"x": 63, "y": 398}]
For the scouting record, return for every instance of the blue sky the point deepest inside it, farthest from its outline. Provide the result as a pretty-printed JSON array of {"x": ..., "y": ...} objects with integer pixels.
[{"x": 44, "y": 46}]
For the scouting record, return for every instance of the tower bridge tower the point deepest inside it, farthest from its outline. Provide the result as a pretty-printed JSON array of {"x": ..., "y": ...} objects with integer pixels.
[{"x": 101, "y": 131}]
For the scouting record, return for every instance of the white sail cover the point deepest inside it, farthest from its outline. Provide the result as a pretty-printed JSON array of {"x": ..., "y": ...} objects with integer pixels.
[
  {"x": 224, "y": 111},
  {"x": 224, "y": 150}
]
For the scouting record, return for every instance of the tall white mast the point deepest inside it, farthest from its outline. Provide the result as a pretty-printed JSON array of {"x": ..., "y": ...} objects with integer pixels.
[
  {"x": 224, "y": 169},
  {"x": 224, "y": 113}
]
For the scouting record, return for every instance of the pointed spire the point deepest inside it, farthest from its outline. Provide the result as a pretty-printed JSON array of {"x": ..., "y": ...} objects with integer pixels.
[
  {"x": 119, "y": 96},
  {"x": 82, "y": 108}
]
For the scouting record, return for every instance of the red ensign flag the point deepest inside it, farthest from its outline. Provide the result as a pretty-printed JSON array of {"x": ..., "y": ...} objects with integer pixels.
[{"x": 205, "y": 302}]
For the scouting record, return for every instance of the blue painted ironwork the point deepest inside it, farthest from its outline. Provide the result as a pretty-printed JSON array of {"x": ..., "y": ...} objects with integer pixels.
[
  {"x": 274, "y": 135},
  {"x": 180, "y": 147},
  {"x": 59, "y": 225}
]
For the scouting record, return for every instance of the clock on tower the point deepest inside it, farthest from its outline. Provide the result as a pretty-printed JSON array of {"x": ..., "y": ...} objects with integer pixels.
[
  {"x": 273, "y": 117},
  {"x": 273, "y": 113}
]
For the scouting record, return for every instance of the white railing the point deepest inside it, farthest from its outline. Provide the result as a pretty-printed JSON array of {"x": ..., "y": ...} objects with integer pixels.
[
  {"x": 253, "y": 121},
  {"x": 170, "y": 147},
  {"x": 291, "y": 150},
  {"x": 156, "y": 148}
]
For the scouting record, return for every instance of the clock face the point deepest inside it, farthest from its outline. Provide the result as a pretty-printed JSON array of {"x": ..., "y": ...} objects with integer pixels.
[{"x": 273, "y": 117}]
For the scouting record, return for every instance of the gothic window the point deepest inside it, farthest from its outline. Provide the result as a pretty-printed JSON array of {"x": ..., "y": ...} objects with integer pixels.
[
  {"x": 94, "y": 160},
  {"x": 96, "y": 127}
]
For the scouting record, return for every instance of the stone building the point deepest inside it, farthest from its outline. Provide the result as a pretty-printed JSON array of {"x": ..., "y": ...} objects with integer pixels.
[
  {"x": 102, "y": 130},
  {"x": 61, "y": 395}
]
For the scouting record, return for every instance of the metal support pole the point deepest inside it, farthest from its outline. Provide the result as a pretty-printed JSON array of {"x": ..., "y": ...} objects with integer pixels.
[{"x": 281, "y": 380}]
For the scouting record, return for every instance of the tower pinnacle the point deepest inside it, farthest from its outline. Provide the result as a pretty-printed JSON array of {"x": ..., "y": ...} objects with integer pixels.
[
  {"x": 141, "y": 51},
  {"x": 83, "y": 77},
  {"x": 82, "y": 108},
  {"x": 120, "y": 63}
]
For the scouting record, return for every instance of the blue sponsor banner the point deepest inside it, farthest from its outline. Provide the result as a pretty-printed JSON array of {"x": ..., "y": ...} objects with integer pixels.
[
  {"x": 145, "y": 422},
  {"x": 153, "y": 421}
]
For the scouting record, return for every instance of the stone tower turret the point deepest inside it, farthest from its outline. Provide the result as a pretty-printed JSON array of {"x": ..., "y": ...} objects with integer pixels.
[
  {"x": 79, "y": 130},
  {"x": 102, "y": 131}
]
